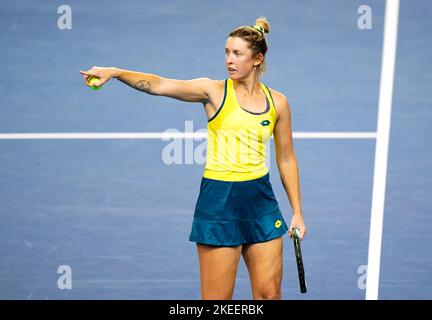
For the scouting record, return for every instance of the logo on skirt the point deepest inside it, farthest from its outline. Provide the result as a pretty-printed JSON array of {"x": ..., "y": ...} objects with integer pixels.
[{"x": 278, "y": 224}]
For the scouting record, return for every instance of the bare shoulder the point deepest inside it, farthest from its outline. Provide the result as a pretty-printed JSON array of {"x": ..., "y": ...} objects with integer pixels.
[
  {"x": 280, "y": 101},
  {"x": 215, "y": 90},
  {"x": 207, "y": 82},
  {"x": 209, "y": 86},
  {"x": 215, "y": 84}
]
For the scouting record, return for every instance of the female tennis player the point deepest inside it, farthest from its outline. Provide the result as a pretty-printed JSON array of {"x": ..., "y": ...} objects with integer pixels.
[{"x": 236, "y": 213}]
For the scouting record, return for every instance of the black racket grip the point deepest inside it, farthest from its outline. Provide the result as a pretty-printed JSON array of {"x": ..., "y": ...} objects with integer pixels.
[{"x": 299, "y": 260}]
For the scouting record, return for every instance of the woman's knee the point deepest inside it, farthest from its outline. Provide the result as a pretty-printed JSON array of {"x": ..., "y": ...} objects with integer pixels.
[{"x": 267, "y": 294}]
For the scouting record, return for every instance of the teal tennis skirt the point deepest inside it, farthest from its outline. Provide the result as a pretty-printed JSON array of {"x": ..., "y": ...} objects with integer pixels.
[{"x": 231, "y": 213}]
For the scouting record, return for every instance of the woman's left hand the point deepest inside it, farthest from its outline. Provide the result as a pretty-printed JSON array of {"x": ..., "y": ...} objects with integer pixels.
[{"x": 297, "y": 222}]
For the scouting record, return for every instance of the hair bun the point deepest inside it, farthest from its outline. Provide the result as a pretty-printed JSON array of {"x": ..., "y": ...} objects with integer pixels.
[{"x": 263, "y": 23}]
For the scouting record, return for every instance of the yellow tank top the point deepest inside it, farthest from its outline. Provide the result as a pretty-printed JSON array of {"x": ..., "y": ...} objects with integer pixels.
[{"x": 236, "y": 145}]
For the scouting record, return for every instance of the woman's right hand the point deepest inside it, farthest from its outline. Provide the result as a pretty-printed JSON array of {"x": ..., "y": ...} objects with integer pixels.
[{"x": 104, "y": 75}]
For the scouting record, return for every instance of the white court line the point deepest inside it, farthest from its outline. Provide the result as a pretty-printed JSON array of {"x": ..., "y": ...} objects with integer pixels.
[
  {"x": 172, "y": 135},
  {"x": 381, "y": 147}
]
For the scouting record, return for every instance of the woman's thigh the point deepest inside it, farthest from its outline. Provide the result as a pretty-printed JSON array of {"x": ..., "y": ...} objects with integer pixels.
[
  {"x": 218, "y": 269},
  {"x": 264, "y": 261}
]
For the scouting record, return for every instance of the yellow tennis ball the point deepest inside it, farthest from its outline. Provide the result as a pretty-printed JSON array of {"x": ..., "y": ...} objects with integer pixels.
[{"x": 91, "y": 82}]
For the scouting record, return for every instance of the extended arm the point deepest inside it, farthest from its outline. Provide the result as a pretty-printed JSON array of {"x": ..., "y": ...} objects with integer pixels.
[{"x": 195, "y": 90}]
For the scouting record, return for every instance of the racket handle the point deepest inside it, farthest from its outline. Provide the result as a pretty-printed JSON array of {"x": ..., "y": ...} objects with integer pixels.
[
  {"x": 299, "y": 260},
  {"x": 296, "y": 232}
]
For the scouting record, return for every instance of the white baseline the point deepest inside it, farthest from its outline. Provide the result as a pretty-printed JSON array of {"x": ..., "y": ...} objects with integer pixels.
[{"x": 170, "y": 135}]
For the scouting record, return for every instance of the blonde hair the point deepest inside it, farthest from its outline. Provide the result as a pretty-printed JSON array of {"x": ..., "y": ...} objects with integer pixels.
[{"x": 255, "y": 36}]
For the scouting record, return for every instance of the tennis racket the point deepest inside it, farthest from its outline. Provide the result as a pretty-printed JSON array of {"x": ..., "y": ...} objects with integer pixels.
[{"x": 300, "y": 268}]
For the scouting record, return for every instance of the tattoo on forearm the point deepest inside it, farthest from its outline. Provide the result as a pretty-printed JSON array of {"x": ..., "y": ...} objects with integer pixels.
[
  {"x": 284, "y": 182},
  {"x": 143, "y": 85}
]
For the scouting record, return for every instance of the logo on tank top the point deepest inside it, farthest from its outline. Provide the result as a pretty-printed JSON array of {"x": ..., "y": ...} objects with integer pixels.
[
  {"x": 265, "y": 122},
  {"x": 278, "y": 224}
]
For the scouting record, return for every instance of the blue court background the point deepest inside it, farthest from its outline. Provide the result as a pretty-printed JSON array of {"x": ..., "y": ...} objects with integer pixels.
[{"x": 120, "y": 217}]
